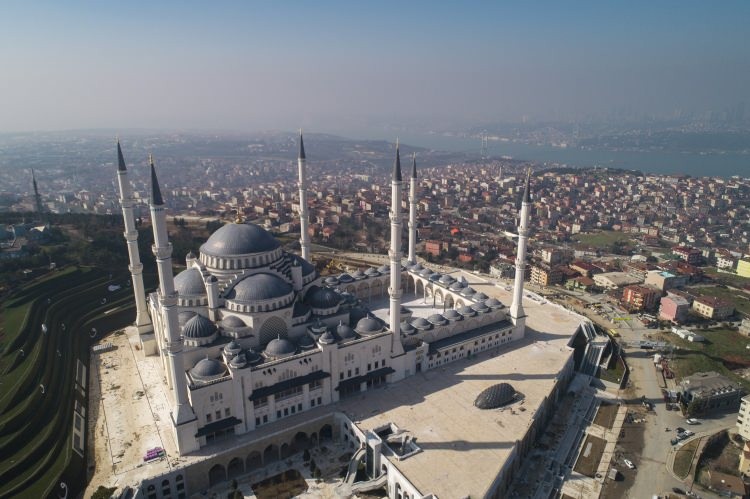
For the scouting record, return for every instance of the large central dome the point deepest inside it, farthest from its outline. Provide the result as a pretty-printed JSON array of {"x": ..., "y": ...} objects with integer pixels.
[{"x": 239, "y": 239}]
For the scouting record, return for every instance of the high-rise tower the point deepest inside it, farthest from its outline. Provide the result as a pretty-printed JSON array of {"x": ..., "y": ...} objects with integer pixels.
[
  {"x": 516, "y": 309},
  {"x": 394, "y": 291},
  {"x": 413, "y": 211},
  {"x": 37, "y": 197},
  {"x": 142, "y": 319},
  {"x": 304, "y": 219},
  {"x": 182, "y": 412}
]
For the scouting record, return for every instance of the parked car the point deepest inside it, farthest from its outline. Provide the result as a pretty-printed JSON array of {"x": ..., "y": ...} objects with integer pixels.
[
  {"x": 680, "y": 429},
  {"x": 693, "y": 421},
  {"x": 629, "y": 463}
]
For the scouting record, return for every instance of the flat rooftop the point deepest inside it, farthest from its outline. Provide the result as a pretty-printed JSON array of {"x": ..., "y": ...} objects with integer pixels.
[{"x": 464, "y": 448}]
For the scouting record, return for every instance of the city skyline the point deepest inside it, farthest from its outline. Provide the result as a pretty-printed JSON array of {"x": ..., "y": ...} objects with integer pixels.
[{"x": 339, "y": 66}]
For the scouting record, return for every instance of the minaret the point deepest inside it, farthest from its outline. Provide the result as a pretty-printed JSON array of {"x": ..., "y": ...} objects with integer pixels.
[
  {"x": 304, "y": 219},
  {"x": 142, "y": 319},
  {"x": 394, "y": 290},
  {"x": 37, "y": 197},
  {"x": 516, "y": 309},
  {"x": 181, "y": 411},
  {"x": 413, "y": 211}
]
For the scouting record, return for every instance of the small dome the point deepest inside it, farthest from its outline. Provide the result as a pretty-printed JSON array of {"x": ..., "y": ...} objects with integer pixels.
[
  {"x": 345, "y": 278},
  {"x": 345, "y": 332},
  {"x": 185, "y": 316},
  {"x": 417, "y": 267},
  {"x": 468, "y": 291},
  {"x": 207, "y": 369},
  {"x": 467, "y": 311},
  {"x": 368, "y": 325},
  {"x": 421, "y": 323},
  {"x": 493, "y": 303},
  {"x": 452, "y": 315},
  {"x": 480, "y": 296},
  {"x": 305, "y": 342},
  {"x": 259, "y": 287},
  {"x": 384, "y": 269},
  {"x": 189, "y": 282},
  {"x": 331, "y": 280},
  {"x": 426, "y": 272},
  {"x": 407, "y": 328},
  {"x": 239, "y": 361},
  {"x": 232, "y": 322},
  {"x": 372, "y": 272},
  {"x": 446, "y": 279},
  {"x": 437, "y": 319},
  {"x": 322, "y": 298},
  {"x": 232, "y": 348},
  {"x": 496, "y": 396},
  {"x": 198, "y": 327},
  {"x": 327, "y": 338},
  {"x": 253, "y": 357},
  {"x": 480, "y": 307},
  {"x": 239, "y": 239},
  {"x": 456, "y": 286},
  {"x": 280, "y": 348},
  {"x": 359, "y": 275},
  {"x": 319, "y": 327}
]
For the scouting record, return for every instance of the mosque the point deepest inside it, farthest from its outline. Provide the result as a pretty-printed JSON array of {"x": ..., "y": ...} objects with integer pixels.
[{"x": 249, "y": 334}]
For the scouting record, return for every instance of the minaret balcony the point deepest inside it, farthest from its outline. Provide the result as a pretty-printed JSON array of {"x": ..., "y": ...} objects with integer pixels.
[{"x": 162, "y": 252}]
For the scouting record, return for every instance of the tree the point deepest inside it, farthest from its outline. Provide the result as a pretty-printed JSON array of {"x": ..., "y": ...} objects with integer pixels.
[{"x": 306, "y": 455}]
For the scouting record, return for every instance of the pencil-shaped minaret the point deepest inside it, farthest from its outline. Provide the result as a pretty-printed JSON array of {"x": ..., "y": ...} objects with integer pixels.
[
  {"x": 304, "y": 218},
  {"x": 413, "y": 211},
  {"x": 516, "y": 309},
  {"x": 181, "y": 410},
  {"x": 142, "y": 319},
  {"x": 394, "y": 290},
  {"x": 37, "y": 197}
]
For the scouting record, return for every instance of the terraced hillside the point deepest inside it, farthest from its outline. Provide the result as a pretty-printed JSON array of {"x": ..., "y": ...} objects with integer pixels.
[{"x": 47, "y": 329}]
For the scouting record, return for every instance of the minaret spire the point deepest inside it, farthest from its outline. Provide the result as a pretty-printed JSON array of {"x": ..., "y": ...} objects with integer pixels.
[
  {"x": 303, "y": 215},
  {"x": 171, "y": 342},
  {"x": 37, "y": 197},
  {"x": 394, "y": 289},
  {"x": 516, "y": 309},
  {"x": 413, "y": 211},
  {"x": 142, "y": 319}
]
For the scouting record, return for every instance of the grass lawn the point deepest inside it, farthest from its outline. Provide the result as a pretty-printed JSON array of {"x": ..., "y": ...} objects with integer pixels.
[
  {"x": 602, "y": 239},
  {"x": 723, "y": 351},
  {"x": 741, "y": 300},
  {"x": 727, "y": 278},
  {"x": 683, "y": 459}
]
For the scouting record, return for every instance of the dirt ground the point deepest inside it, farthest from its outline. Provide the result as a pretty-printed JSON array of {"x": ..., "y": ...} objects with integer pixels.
[
  {"x": 605, "y": 416},
  {"x": 630, "y": 443},
  {"x": 588, "y": 462}
]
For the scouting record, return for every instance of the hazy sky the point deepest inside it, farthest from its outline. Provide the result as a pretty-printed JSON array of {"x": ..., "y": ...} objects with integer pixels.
[{"x": 332, "y": 65}]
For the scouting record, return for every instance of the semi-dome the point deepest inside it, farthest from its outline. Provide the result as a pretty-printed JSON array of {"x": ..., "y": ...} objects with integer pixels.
[
  {"x": 322, "y": 298},
  {"x": 207, "y": 369},
  {"x": 232, "y": 322},
  {"x": 279, "y": 348},
  {"x": 185, "y": 316},
  {"x": 496, "y": 396},
  {"x": 190, "y": 282},
  {"x": 239, "y": 239},
  {"x": 344, "y": 332},
  {"x": 368, "y": 325},
  {"x": 198, "y": 327},
  {"x": 259, "y": 287}
]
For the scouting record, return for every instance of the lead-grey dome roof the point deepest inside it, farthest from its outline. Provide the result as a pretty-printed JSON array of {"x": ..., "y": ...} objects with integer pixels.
[
  {"x": 467, "y": 311},
  {"x": 493, "y": 303},
  {"x": 232, "y": 321},
  {"x": 259, "y": 287},
  {"x": 198, "y": 327},
  {"x": 327, "y": 338},
  {"x": 239, "y": 239},
  {"x": 437, "y": 319},
  {"x": 421, "y": 323},
  {"x": 305, "y": 342},
  {"x": 207, "y": 369},
  {"x": 322, "y": 298},
  {"x": 189, "y": 282},
  {"x": 368, "y": 325},
  {"x": 280, "y": 347},
  {"x": 495, "y": 396},
  {"x": 452, "y": 314},
  {"x": 344, "y": 332}
]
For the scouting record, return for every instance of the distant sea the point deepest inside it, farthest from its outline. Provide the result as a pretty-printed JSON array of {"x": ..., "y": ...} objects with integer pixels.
[{"x": 694, "y": 164}]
